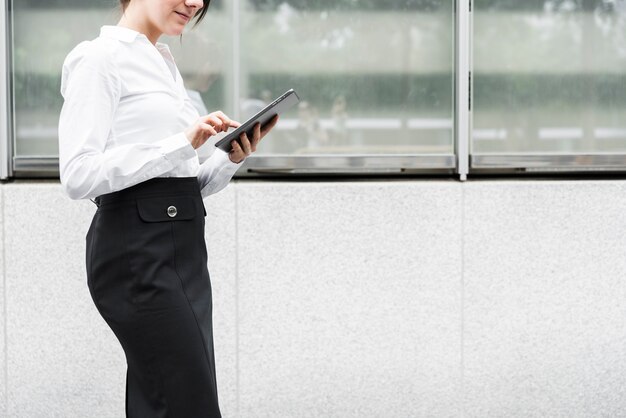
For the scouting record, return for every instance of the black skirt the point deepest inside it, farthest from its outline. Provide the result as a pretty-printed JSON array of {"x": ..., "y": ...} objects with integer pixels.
[{"x": 147, "y": 274}]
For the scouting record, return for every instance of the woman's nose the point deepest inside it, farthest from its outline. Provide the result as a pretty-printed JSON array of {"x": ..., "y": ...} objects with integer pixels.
[{"x": 194, "y": 3}]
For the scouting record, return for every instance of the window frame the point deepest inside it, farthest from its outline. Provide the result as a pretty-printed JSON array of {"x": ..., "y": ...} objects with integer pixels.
[
  {"x": 461, "y": 163},
  {"x": 538, "y": 162},
  {"x": 6, "y": 109}
]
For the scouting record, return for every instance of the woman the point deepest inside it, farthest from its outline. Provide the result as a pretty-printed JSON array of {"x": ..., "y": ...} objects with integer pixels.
[{"x": 128, "y": 135}]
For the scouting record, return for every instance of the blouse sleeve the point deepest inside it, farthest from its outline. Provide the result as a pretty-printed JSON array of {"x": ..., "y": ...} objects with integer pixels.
[
  {"x": 216, "y": 172},
  {"x": 91, "y": 87}
]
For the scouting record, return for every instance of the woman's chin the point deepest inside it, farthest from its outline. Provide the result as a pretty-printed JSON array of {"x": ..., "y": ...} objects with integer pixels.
[{"x": 174, "y": 30}]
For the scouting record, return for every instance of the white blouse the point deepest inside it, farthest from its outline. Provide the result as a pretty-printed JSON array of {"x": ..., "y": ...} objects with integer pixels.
[{"x": 124, "y": 116}]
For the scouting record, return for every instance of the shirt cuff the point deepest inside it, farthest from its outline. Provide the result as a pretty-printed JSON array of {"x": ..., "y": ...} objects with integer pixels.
[
  {"x": 177, "y": 148},
  {"x": 225, "y": 163}
]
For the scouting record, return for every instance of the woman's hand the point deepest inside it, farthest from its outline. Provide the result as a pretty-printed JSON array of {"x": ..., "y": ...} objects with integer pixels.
[
  {"x": 247, "y": 147},
  {"x": 207, "y": 126}
]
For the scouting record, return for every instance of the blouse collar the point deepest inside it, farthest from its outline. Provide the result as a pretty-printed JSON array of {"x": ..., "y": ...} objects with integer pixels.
[
  {"x": 129, "y": 35},
  {"x": 120, "y": 33}
]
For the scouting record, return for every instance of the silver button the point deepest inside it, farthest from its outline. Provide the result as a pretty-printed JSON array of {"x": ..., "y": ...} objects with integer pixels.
[{"x": 172, "y": 211}]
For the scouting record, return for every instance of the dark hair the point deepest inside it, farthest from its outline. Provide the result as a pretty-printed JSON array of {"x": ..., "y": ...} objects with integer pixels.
[{"x": 198, "y": 16}]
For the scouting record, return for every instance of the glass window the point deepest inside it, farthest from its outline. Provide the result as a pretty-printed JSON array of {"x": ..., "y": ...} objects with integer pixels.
[
  {"x": 375, "y": 76},
  {"x": 43, "y": 34},
  {"x": 548, "y": 77},
  {"x": 44, "y": 31}
]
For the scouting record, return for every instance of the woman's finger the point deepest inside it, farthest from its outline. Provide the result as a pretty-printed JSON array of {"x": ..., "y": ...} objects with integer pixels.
[
  {"x": 236, "y": 153},
  {"x": 245, "y": 142},
  {"x": 214, "y": 122},
  {"x": 224, "y": 120},
  {"x": 208, "y": 128},
  {"x": 269, "y": 126},
  {"x": 220, "y": 114},
  {"x": 257, "y": 131},
  {"x": 256, "y": 134},
  {"x": 256, "y": 137}
]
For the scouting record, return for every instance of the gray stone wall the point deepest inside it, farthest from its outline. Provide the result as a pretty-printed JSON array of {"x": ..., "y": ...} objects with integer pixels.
[{"x": 348, "y": 299}]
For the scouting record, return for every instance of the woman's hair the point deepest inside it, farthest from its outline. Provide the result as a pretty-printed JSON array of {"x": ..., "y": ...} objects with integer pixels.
[{"x": 199, "y": 14}]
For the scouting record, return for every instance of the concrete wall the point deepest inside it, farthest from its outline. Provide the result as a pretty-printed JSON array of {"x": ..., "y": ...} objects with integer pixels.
[{"x": 349, "y": 299}]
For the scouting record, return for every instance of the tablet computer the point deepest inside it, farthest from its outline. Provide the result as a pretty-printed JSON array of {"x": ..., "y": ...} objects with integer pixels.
[{"x": 284, "y": 102}]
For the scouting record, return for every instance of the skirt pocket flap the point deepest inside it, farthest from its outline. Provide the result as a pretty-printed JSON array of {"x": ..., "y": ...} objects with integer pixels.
[{"x": 164, "y": 209}]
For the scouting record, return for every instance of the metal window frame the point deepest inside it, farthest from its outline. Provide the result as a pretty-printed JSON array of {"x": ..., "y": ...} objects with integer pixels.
[
  {"x": 6, "y": 113},
  {"x": 546, "y": 163},
  {"x": 29, "y": 166},
  {"x": 534, "y": 162},
  {"x": 334, "y": 164},
  {"x": 463, "y": 66},
  {"x": 462, "y": 162},
  {"x": 347, "y": 164}
]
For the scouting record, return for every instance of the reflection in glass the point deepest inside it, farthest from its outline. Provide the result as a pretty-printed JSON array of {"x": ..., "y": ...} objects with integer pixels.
[
  {"x": 375, "y": 76},
  {"x": 45, "y": 31},
  {"x": 549, "y": 76}
]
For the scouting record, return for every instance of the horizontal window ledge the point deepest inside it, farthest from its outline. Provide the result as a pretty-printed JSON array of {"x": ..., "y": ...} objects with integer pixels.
[
  {"x": 346, "y": 164},
  {"x": 39, "y": 166},
  {"x": 284, "y": 165},
  {"x": 550, "y": 163},
  {"x": 36, "y": 166}
]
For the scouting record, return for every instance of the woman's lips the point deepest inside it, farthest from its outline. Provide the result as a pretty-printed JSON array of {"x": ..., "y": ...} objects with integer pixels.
[{"x": 184, "y": 16}]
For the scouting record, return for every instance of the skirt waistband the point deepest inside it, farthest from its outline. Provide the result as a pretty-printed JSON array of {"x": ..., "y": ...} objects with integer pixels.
[{"x": 157, "y": 186}]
